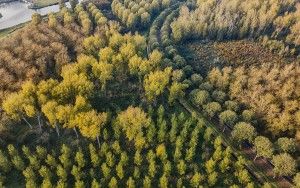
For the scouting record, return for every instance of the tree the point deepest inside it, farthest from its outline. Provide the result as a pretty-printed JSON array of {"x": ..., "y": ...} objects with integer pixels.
[
  {"x": 243, "y": 176},
  {"x": 181, "y": 167},
  {"x": 103, "y": 71},
  {"x": 201, "y": 97},
  {"x": 163, "y": 181},
  {"x": 73, "y": 3},
  {"x": 18, "y": 162},
  {"x": 90, "y": 123},
  {"x": 52, "y": 21},
  {"x": 227, "y": 117},
  {"x": 156, "y": 82},
  {"x": 132, "y": 21},
  {"x": 210, "y": 166},
  {"x": 113, "y": 183},
  {"x": 61, "y": 4},
  {"x": 243, "y": 132},
  {"x": 284, "y": 165},
  {"x": 196, "y": 180},
  {"x": 4, "y": 162},
  {"x": 120, "y": 171},
  {"x": 212, "y": 178},
  {"x": 145, "y": 19},
  {"x": 49, "y": 110},
  {"x": 22, "y": 104},
  {"x": 80, "y": 159},
  {"x": 247, "y": 115},
  {"x": 62, "y": 173},
  {"x": 297, "y": 180},
  {"x": 212, "y": 108},
  {"x": 287, "y": 145},
  {"x": 147, "y": 182},
  {"x": 36, "y": 19},
  {"x": 177, "y": 91},
  {"x": 161, "y": 152},
  {"x": 263, "y": 147},
  {"x": 132, "y": 121},
  {"x": 91, "y": 46},
  {"x": 130, "y": 183}
]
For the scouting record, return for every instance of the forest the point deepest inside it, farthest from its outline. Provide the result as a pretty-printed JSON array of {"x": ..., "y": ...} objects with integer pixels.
[{"x": 153, "y": 93}]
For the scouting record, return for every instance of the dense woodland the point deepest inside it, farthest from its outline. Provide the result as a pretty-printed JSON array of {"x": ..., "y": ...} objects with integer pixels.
[{"x": 93, "y": 96}]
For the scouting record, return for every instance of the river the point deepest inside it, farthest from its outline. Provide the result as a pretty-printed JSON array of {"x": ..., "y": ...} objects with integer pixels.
[{"x": 17, "y": 12}]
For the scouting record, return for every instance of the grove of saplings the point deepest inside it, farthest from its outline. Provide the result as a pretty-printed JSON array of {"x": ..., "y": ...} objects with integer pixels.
[{"x": 86, "y": 104}]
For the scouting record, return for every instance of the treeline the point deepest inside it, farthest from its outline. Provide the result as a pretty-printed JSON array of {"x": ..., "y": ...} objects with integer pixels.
[
  {"x": 139, "y": 149},
  {"x": 277, "y": 20},
  {"x": 138, "y": 14},
  {"x": 271, "y": 91}
]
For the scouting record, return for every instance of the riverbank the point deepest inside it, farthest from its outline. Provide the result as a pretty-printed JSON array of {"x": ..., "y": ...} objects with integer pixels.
[
  {"x": 7, "y": 31},
  {"x": 37, "y": 4}
]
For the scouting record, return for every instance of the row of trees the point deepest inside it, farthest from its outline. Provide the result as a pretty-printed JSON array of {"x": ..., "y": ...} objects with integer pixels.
[
  {"x": 233, "y": 19},
  {"x": 269, "y": 90},
  {"x": 138, "y": 14},
  {"x": 215, "y": 104},
  {"x": 160, "y": 150}
]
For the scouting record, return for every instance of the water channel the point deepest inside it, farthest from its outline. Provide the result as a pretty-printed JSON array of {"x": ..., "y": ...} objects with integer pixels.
[{"x": 17, "y": 12}]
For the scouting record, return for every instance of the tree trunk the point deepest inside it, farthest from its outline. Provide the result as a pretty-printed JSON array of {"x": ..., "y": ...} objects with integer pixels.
[
  {"x": 30, "y": 126},
  {"x": 75, "y": 132},
  {"x": 255, "y": 157},
  {"x": 98, "y": 141},
  {"x": 57, "y": 130},
  {"x": 39, "y": 121}
]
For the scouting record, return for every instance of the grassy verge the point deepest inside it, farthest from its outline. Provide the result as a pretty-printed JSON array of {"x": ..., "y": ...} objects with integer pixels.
[
  {"x": 37, "y": 4},
  {"x": 7, "y": 31}
]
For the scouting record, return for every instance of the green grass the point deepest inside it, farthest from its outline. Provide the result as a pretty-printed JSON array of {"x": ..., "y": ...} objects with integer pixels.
[
  {"x": 7, "y": 31},
  {"x": 37, "y": 4}
]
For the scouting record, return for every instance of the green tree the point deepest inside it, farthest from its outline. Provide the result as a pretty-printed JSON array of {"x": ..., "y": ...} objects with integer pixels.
[
  {"x": 113, "y": 183},
  {"x": 227, "y": 117},
  {"x": 147, "y": 182},
  {"x": 80, "y": 159},
  {"x": 130, "y": 183},
  {"x": 181, "y": 167},
  {"x": 132, "y": 121},
  {"x": 196, "y": 180},
  {"x": 36, "y": 19},
  {"x": 156, "y": 82},
  {"x": 163, "y": 181},
  {"x": 177, "y": 91},
  {"x": 296, "y": 180},
  {"x": 284, "y": 165},
  {"x": 243, "y": 132},
  {"x": 287, "y": 145},
  {"x": 212, "y": 108},
  {"x": 90, "y": 124},
  {"x": 201, "y": 97},
  {"x": 263, "y": 147},
  {"x": 5, "y": 165},
  {"x": 103, "y": 71}
]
